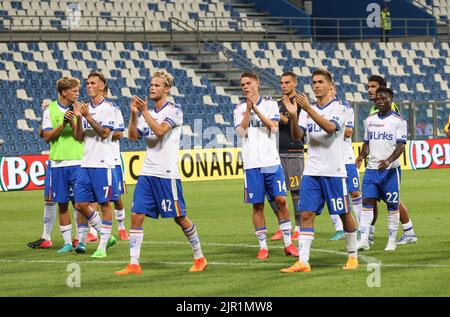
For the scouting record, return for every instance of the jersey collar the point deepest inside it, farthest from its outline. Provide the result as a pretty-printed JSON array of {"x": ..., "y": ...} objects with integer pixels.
[
  {"x": 61, "y": 106},
  {"x": 387, "y": 115},
  {"x": 333, "y": 100},
  {"x": 165, "y": 105},
  {"x": 259, "y": 101},
  {"x": 94, "y": 106}
]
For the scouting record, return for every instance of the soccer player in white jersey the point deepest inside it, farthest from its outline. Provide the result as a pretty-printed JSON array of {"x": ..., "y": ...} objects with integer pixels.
[
  {"x": 97, "y": 179},
  {"x": 352, "y": 174},
  {"x": 158, "y": 191},
  {"x": 119, "y": 210},
  {"x": 256, "y": 122},
  {"x": 384, "y": 141},
  {"x": 324, "y": 178},
  {"x": 409, "y": 236}
]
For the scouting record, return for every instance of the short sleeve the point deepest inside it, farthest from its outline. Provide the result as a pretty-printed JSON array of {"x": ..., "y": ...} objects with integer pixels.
[
  {"x": 174, "y": 117},
  {"x": 46, "y": 120},
  {"x": 338, "y": 116},
  {"x": 237, "y": 116},
  {"x": 350, "y": 117},
  {"x": 118, "y": 122},
  {"x": 303, "y": 120},
  {"x": 274, "y": 111},
  {"x": 401, "y": 131},
  {"x": 141, "y": 126},
  {"x": 366, "y": 132},
  {"x": 108, "y": 118}
]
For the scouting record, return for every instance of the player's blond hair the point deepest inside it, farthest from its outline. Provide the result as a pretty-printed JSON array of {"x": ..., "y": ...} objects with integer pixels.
[
  {"x": 166, "y": 76},
  {"x": 66, "y": 82}
]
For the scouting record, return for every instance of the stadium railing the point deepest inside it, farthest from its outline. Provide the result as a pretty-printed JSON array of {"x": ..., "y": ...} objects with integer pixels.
[{"x": 223, "y": 28}]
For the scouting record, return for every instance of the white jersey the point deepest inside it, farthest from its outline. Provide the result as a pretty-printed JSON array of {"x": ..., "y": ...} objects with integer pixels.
[
  {"x": 161, "y": 158},
  {"x": 349, "y": 155},
  {"x": 259, "y": 146},
  {"x": 118, "y": 126},
  {"x": 46, "y": 126},
  {"x": 382, "y": 134},
  {"x": 97, "y": 152},
  {"x": 325, "y": 151}
]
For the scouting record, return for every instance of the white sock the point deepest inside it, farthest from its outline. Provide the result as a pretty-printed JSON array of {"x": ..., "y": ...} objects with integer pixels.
[
  {"x": 297, "y": 228},
  {"x": 192, "y": 236},
  {"x": 105, "y": 234},
  {"x": 120, "y": 217},
  {"x": 366, "y": 219},
  {"x": 305, "y": 240},
  {"x": 261, "y": 235},
  {"x": 82, "y": 231},
  {"x": 286, "y": 227},
  {"x": 136, "y": 237},
  {"x": 408, "y": 228},
  {"x": 66, "y": 232},
  {"x": 337, "y": 222},
  {"x": 49, "y": 220},
  {"x": 371, "y": 232},
  {"x": 95, "y": 221},
  {"x": 351, "y": 239},
  {"x": 93, "y": 231},
  {"x": 357, "y": 208},
  {"x": 393, "y": 220}
]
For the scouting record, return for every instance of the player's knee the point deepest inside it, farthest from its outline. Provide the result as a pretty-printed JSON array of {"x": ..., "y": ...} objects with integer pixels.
[
  {"x": 258, "y": 207},
  {"x": 179, "y": 220},
  {"x": 281, "y": 201},
  {"x": 355, "y": 195},
  {"x": 306, "y": 217},
  {"x": 369, "y": 201}
]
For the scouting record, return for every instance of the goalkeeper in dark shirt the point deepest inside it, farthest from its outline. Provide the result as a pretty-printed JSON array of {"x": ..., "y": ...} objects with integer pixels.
[{"x": 291, "y": 152}]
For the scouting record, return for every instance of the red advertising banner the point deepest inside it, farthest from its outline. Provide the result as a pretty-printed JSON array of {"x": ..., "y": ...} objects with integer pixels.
[
  {"x": 434, "y": 153},
  {"x": 28, "y": 172},
  {"x": 25, "y": 172}
]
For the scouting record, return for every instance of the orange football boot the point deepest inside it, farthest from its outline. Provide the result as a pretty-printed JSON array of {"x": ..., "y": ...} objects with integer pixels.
[
  {"x": 130, "y": 269},
  {"x": 199, "y": 265}
]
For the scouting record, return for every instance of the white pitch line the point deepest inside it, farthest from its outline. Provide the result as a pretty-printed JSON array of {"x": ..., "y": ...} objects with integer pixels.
[
  {"x": 213, "y": 263},
  {"x": 362, "y": 257}
]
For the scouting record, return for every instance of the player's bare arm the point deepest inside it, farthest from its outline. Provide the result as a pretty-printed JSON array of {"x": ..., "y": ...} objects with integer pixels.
[
  {"x": 284, "y": 119},
  {"x": 328, "y": 126},
  {"x": 400, "y": 147},
  {"x": 158, "y": 129},
  {"x": 241, "y": 129},
  {"x": 364, "y": 153},
  {"x": 117, "y": 135},
  {"x": 79, "y": 133},
  {"x": 101, "y": 131},
  {"x": 348, "y": 132},
  {"x": 270, "y": 124},
  {"x": 133, "y": 133},
  {"x": 297, "y": 133}
]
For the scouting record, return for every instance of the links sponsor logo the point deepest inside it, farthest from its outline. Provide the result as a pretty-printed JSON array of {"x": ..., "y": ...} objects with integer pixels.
[{"x": 381, "y": 136}]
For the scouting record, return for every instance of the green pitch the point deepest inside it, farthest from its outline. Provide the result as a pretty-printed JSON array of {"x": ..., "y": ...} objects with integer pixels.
[{"x": 228, "y": 241}]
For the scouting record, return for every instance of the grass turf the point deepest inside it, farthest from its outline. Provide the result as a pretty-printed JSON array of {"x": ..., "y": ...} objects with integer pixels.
[{"x": 227, "y": 235}]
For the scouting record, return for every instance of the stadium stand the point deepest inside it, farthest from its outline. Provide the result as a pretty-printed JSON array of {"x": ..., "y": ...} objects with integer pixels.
[
  {"x": 29, "y": 71},
  {"x": 139, "y": 15},
  {"x": 417, "y": 71},
  {"x": 439, "y": 8}
]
